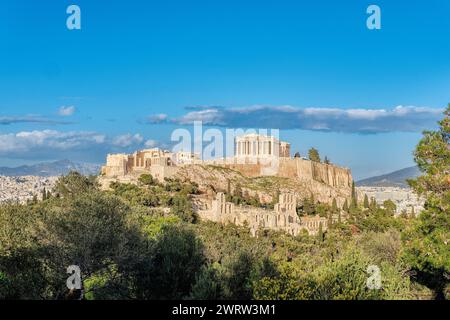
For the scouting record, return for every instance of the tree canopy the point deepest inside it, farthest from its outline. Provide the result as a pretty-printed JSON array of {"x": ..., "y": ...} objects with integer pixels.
[
  {"x": 313, "y": 155},
  {"x": 427, "y": 241}
]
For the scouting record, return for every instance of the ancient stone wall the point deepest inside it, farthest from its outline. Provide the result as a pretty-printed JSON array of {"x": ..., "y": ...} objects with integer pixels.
[
  {"x": 312, "y": 223},
  {"x": 301, "y": 169},
  {"x": 116, "y": 165},
  {"x": 283, "y": 218},
  {"x": 287, "y": 204},
  {"x": 160, "y": 172},
  {"x": 309, "y": 170}
]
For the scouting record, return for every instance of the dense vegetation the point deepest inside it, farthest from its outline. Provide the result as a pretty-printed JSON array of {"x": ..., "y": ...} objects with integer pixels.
[
  {"x": 427, "y": 242},
  {"x": 145, "y": 242}
]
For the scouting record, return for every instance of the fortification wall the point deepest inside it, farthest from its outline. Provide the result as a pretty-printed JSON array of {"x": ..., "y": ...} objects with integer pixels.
[
  {"x": 116, "y": 165},
  {"x": 160, "y": 172},
  {"x": 302, "y": 169},
  {"x": 309, "y": 170}
]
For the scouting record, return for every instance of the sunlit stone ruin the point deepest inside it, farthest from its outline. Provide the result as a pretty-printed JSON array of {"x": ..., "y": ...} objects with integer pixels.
[
  {"x": 283, "y": 218},
  {"x": 254, "y": 156}
]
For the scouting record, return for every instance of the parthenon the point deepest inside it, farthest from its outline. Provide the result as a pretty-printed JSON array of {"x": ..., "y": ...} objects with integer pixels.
[{"x": 254, "y": 145}]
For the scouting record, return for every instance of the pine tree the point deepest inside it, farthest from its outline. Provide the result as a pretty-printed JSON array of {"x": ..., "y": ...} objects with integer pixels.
[
  {"x": 313, "y": 155},
  {"x": 390, "y": 207},
  {"x": 431, "y": 262},
  {"x": 308, "y": 206}
]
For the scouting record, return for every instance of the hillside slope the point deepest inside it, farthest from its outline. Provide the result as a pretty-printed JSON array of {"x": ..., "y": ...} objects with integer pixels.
[
  {"x": 393, "y": 179},
  {"x": 215, "y": 178}
]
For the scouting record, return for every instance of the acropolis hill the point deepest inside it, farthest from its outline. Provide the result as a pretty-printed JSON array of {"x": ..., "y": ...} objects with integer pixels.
[{"x": 261, "y": 166}]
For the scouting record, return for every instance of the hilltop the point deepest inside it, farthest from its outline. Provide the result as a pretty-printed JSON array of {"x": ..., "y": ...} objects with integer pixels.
[{"x": 393, "y": 179}]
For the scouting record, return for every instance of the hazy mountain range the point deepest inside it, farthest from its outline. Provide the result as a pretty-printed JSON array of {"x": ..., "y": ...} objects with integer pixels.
[
  {"x": 55, "y": 168},
  {"x": 393, "y": 179}
]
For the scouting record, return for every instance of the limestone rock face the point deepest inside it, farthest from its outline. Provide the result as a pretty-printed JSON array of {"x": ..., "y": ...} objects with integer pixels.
[{"x": 304, "y": 178}]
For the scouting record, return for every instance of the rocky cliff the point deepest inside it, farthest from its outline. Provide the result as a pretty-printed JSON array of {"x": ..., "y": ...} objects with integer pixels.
[{"x": 302, "y": 177}]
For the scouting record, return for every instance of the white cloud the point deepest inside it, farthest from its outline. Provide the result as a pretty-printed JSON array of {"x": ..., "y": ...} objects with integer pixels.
[
  {"x": 151, "y": 143},
  {"x": 127, "y": 140},
  {"x": 207, "y": 116},
  {"x": 66, "y": 111},
  {"x": 157, "y": 118},
  {"x": 400, "y": 118},
  {"x": 41, "y": 144},
  {"x": 29, "y": 141},
  {"x": 8, "y": 120}
]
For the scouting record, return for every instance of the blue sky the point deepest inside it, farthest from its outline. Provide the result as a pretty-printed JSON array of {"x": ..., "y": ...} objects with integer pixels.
[{"x": 310, "y": 68}]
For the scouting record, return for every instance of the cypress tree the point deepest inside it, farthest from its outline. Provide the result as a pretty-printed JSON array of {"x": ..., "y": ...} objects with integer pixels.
[
  {"x": 276, "y": 198},
  {"x": 320, "y": 233},
  {"x": 330, "y": 219},
  {"x": 366, "y": 201},
  {"x": 238, "y": 196},
  {"x": 373, "y": 203},
  {"x": 353, "y": 204},
  {"x": 345, "y": 206},
  {"x": 354, "y": 196},
  {"x": 334, "y": 206}
]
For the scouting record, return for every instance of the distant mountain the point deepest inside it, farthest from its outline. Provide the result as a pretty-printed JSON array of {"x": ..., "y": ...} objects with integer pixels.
[
  {"x": 47, "y": 169},
  {"x": 393, "y": 179}
]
